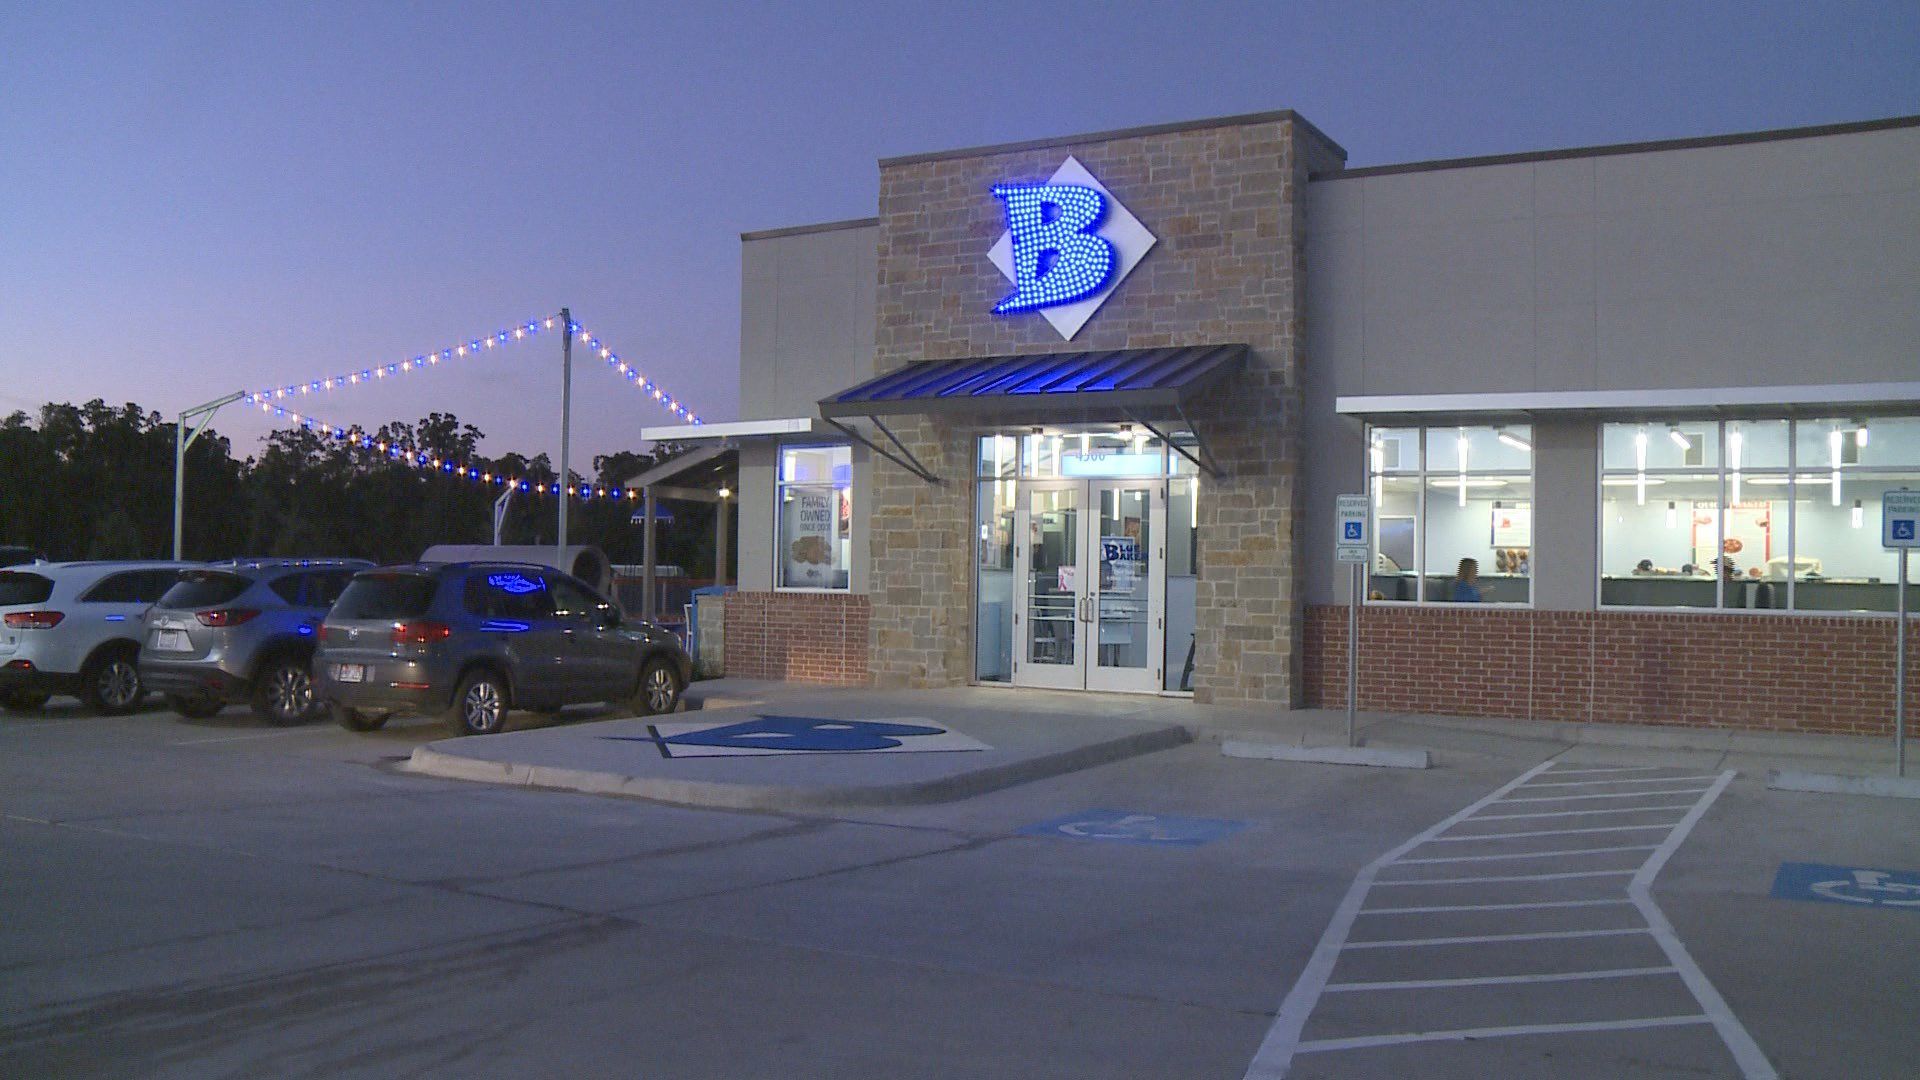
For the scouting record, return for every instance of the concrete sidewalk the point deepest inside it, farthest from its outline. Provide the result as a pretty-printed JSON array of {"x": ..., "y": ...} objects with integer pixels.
[{"x": 1032, "y": 734}]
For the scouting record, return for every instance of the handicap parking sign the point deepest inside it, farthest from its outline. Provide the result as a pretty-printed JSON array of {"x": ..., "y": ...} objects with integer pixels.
[
  {"x": 1903, "y": 530},
  {"x": 1353, "y": 530},
  {"x": 1856, "y": 885},
  {"x": 1129, "y": 827}
]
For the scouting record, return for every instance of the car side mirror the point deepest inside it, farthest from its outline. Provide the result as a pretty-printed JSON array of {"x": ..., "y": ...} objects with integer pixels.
[{"x": 609, "y": 618}]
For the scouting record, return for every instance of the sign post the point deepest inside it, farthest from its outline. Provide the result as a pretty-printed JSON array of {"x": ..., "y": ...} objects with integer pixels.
[
  {"x": 1899, "y": 524},
  {"x": 1352, "y": 545}
]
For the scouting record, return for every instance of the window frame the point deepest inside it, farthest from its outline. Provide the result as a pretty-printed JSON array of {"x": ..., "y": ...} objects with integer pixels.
[
  {"x": 1420, "y": 475},
  {"x": 780, "y": 486},
  {"x": 1722, "y": 469}
]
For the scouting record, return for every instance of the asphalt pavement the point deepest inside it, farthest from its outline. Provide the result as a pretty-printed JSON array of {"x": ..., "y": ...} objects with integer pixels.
[{"x": 213, "y": 898}]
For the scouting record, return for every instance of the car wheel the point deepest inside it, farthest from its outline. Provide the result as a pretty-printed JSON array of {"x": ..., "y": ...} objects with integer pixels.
[
  {"x": 195, "y": 706},
  {"x": 283, "y": 694},
  {"x": 480, "y": 705},
  {"x": 110, "y": 684},
  {"x": 659, "y": 690},
  {"x": 22, "y": 700},
  {"x": 356, "y": 720}
]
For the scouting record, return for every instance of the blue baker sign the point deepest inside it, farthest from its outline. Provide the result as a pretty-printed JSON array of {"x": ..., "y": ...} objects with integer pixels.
[
  {"x": 1069, "y": 243},
  {"x": 1856, "y": 885}
]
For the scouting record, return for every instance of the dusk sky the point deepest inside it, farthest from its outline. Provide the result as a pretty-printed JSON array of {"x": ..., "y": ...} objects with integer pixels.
[{"x": 199, "y": 198}]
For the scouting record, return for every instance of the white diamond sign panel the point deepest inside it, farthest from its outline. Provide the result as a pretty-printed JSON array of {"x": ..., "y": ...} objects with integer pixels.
[{"x": 1131, "y": 241}]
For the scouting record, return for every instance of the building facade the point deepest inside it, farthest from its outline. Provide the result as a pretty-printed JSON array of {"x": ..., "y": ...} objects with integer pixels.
[{"x": 1074, "y": 413}]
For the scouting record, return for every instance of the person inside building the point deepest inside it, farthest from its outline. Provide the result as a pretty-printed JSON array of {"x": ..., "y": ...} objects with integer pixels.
[{"x": 1466, "y": 587}]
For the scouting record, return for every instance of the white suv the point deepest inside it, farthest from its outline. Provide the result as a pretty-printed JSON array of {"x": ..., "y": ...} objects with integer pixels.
[{"x": 74, "y": 628}]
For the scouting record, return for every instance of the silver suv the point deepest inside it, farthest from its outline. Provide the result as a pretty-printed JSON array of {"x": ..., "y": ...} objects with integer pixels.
[
  {"x": 242, "y": 631},
  {"x": 74, "y": 628}
]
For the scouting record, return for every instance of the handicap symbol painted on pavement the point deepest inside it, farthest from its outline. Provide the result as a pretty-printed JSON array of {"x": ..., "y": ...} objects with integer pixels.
[
  {"x": 1860, "y": 886},
  {"x": 780, "y": 734},
  {"x": 1127, "y": 827}
]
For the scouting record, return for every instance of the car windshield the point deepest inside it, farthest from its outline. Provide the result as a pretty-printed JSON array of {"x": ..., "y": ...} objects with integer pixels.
[
  {"x": 203, "y": 588},
  {"x": 24, "y": 589},
  {"x": 385, "y": 596}
]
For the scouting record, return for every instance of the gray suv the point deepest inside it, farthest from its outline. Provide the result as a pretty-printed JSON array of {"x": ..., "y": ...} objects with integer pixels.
[
  {"x": 468, "y": 641},
  {"x": 242, "y": 631}
]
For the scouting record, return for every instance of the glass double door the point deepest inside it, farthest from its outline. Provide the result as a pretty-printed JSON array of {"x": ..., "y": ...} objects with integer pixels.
[{"x": 1090, "y": 584}]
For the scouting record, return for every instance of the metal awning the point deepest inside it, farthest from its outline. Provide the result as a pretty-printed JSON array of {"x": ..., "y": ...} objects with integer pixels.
[{"x": 1119, "y": 379}]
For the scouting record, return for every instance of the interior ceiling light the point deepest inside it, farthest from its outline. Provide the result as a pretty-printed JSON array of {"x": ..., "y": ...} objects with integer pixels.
[{"x": 1515, "y": 441}]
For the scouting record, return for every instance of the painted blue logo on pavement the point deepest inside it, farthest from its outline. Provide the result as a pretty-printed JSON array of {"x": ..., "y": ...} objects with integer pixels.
[
  {"x": 805, "y": 733},
  {"x": 1128, "y": 827},
  {"x": 781, "y": 734},
  {"x": 1857, "y": 885}
]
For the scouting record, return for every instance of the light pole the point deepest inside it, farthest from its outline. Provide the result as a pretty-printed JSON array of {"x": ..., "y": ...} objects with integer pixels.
[
  {"x": 566, "y": 422},
  {"x": 181, "y": 440}
]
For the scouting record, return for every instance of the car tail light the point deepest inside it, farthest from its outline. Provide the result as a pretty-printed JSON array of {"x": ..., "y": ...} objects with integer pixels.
[
  {"x": 20, "y": 665},
  {"x": 420, "y": 632},
  {"x": 232, "y": 616},
  {"x": 329, "y": 633},
  {"x": 34, "y": 620}
]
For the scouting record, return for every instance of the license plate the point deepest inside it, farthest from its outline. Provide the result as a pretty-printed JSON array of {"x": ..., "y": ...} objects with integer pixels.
[
  {"x": 350, "y": 673},
  {"x": 172, "y": 640}
]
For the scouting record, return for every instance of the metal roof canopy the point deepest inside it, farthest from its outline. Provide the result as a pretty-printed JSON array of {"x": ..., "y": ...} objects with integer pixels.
[
  {"x": 1121, "y": 379},
  {"x": 1127, "y": 381}
]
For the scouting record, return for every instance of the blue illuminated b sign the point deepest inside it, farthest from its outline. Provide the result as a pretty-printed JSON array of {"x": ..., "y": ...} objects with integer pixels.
[
  {"x": 1069, "y": 243},
  {"x": 1057, "y": 256}
]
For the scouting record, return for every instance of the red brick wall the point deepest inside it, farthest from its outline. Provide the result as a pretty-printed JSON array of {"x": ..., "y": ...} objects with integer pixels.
[
  {"x": 1768, "y": 673},
  {"x": 799, "y": 637}
]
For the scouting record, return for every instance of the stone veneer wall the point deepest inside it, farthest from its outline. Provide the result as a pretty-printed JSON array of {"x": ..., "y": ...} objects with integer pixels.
[
  {"x": 1798, "y": 673},
  {"x": 797, "y": 636},
  {"x": 1225, "y": 204}
]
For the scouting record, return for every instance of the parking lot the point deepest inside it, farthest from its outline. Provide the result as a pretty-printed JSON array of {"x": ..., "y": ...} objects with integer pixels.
[{"x": 218, "y": 898}]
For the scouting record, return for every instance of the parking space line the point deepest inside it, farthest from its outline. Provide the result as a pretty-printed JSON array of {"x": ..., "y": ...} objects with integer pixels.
[
  {"x": 1483, "y": 939},
  {"x": 1732, "y": 1032},
  {"x": 1611, "y": 902},
  {"x": 1510, "y": 855},
  {"x": 1502, "y": 980},
  {"x": 1284, "y": 1038},
  {"x": 1615, "y": 795},
  {"x": 1507, "y": 877},
  {"x": 1609, "y": 769},
  {"x": 1545, "y": 832},
  {"x": 1464, "y": 1034},
  {"x": 1574, "y": 813},
  {"x": 247, "y": 737},
  {"x": 1641, "y": 780}
]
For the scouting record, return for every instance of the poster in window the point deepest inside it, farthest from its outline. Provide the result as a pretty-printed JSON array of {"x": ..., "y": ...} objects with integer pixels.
[
  {"x": 1512, "y": 525},
  {"x": 809, "y": 554}
]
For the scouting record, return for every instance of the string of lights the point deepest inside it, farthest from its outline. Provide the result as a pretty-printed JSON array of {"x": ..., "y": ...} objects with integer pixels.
[
  {"x": 401, "y": 452},
  {"x": 633, "y": 375},
  {"x": 398, "y": 368}
]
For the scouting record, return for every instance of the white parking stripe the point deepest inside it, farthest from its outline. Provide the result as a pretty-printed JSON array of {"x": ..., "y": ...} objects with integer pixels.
[
  {"x": 1642, "y": 780},
  {"x": 1283, "y": 1038},
  {"x": 1577, "y": 813},
  {"x": 1493, "y": 907},
  {"x": 1508, "y": 856},
  {"x": 1482, "y": 939},
  {"x": 1618, "y": 795},
  {"x": 1610, "y": 769},
  {"x": 1497, "y": 1032},
  {"x": 248, "y": 737},
  {"x": 1501, "y": 980},
  {"x": 1546, "y": 832},
  {"x": 1507, "y": 877},
  {"x": 1732, "y": 1032}
]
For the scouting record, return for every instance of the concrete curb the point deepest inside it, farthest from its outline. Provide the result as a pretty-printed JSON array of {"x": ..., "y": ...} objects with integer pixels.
[
  {"x": 1888, "y": 787},
  {"x": 1379, "y": 756},
  {"x": 429, "y": 761}
]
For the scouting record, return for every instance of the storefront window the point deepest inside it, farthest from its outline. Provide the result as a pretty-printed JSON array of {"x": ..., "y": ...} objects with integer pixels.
[
  {"x": 1772, "y": 515},
  {"x": 1183, "y": 580},
  {"x": 814, "y": 516},
  {"x": 993, "y": 569},
  {"x": 1453, "y": 514}
]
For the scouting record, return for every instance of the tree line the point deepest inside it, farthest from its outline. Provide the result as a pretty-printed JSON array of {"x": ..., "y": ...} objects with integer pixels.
[{"x": 94, "y": 482}]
